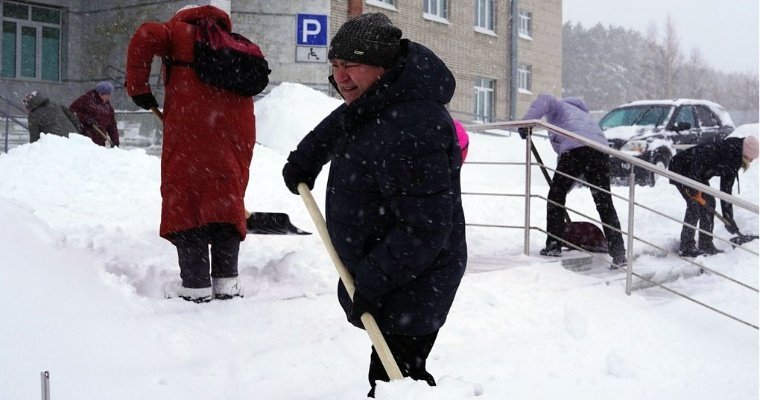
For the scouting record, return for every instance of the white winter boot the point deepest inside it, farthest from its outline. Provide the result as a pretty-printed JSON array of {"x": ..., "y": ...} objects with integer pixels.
[
  {"x": 199, "y": 295},
  {"x": 226, "y": 288}
]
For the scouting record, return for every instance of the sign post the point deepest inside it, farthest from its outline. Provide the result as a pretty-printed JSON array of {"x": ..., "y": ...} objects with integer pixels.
[{"x": 311, "y": 38}]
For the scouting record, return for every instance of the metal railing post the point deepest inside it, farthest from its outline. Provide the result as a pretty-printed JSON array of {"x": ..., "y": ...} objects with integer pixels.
[
  {"x": 528, "y": 162},
  {"x": 7, "y": 122},
  {"x": 629, "y": 253},
  {"x": 45, "y": 383}
]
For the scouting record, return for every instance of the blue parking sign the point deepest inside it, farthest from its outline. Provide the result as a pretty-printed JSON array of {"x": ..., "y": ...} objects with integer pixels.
[{"x": 311, "y": 30}]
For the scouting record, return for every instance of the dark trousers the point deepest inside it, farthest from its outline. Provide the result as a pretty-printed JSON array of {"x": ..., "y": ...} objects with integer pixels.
[
  {"x": 696, "y": 215},
  {"x": 410, "y": 353},
  {"x": 593, "y": 166},
  {"x": 193, "y": 253}
]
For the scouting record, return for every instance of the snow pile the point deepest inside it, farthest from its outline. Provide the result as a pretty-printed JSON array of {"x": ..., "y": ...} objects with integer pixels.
[{"x": 82, "y": 269}]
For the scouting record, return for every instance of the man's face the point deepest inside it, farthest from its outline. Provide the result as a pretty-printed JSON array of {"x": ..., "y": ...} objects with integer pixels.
[
  {"x": 105, "y": 97},
  {"x": 353, "y": 78}
]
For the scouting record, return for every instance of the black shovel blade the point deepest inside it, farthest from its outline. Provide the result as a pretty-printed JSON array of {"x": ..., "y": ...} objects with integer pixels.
[
  {"x": 741, "y": 239},
  {"x": 586, "y": 236},
  {"x": 271, "y": 223}
]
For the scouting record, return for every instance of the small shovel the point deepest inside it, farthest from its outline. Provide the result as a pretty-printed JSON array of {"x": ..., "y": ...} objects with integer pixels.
[{"x": 582, "y": 234}]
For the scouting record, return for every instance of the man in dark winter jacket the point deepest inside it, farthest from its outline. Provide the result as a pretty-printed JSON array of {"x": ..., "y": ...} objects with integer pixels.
[
  {"x": 46, "y": 116},
  {"x": 701, "y": 163},
  {"x": 393, "y": 203},
  {"x": 577, "y": 160},
  {"x": 96, "y": 115}
]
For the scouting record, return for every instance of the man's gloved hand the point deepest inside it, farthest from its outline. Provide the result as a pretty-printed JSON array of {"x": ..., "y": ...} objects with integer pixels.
[
  {"x": 293, "y": 175},
  {"x": 699, "y": 199},
  {"x": 361, "y": 305},
  {"x": 145, "y": 101},
  {"x": 731, "y": 226},
  {"x": 89, "y": 122},
  {"x": 523, "y": 132}
]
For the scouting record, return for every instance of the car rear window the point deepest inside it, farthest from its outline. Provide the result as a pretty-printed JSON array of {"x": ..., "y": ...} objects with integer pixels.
[{"x": 638, "y": 115}]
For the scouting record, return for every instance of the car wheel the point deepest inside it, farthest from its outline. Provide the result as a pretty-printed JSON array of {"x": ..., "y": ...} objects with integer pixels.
[{"x": 653, "y": 177}]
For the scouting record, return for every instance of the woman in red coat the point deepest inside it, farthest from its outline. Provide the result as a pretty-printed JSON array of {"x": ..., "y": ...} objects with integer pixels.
[{"x": 208, "y": 141}]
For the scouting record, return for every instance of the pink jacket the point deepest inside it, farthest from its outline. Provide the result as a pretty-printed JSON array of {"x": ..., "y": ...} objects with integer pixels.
[{"x": 463, "y": 137}]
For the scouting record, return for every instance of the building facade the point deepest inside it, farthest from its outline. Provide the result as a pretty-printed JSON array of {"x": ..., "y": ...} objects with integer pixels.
[{"x": 502, "y": 53}]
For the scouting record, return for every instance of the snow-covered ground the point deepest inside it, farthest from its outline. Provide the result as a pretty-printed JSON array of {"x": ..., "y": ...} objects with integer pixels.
[{"x": 82, "y": 270}]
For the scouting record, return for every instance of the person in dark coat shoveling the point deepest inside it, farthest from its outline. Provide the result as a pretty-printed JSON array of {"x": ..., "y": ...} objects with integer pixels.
[
  {"x": 701, "y": 163},
  {"x": 46, "y": 116},
  {"x": 393, "y": 204}
]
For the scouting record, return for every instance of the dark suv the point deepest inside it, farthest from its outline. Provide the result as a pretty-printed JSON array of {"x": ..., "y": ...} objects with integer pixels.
[{"x": 653, "y": 130}]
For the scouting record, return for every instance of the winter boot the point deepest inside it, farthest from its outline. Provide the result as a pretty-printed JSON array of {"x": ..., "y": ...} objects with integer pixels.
[
  {"x": 226, "y": 288},
  {"x": 709, "y": 249},
  {"x": 552, "y": 249},
  {"x": 689, "y": 251},
  {"x": 619, "y": 261},
  {"x": 196, "y": 295}
]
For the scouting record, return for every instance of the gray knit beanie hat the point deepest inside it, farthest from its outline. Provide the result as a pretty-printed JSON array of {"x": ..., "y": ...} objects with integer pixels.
[{"x": 368, "y": 39}]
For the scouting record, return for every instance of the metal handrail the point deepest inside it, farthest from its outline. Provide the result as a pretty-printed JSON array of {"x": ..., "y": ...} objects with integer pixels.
[
  {"x": 623, "y": 156},
  {"x": 513, "y": 125}
]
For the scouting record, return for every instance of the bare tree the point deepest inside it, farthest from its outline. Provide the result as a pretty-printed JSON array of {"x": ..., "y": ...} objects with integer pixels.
[{"x": 671, "y": 56}]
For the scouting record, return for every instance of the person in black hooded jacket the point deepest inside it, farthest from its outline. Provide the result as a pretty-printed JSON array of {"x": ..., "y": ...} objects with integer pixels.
[
  {"x": 393, "y": 204},
  {"x": 701, "y": 163}
]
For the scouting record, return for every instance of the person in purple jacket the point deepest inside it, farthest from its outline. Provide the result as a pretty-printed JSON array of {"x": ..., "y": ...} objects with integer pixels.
[{"x": 579, "y": 161}]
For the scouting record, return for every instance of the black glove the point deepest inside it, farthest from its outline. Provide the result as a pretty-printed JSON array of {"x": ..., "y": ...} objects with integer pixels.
[
  {"x": 523, "y": 132},
  {"x": 89, "y": 122},
  {"x": 293, "y": 175},
  {"x": 361, "y": 305},
  {"x": 731, "y": 226},
  {"x": 145, "y": 101}
]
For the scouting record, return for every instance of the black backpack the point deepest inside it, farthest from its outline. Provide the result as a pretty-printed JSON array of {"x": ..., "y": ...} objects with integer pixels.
[{"x": 226, "y": 60}]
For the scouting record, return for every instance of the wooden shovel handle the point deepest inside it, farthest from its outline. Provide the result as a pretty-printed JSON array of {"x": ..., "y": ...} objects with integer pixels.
[
  {"x": 158, "y": 113},
  {"x": 373, "y": 330}
]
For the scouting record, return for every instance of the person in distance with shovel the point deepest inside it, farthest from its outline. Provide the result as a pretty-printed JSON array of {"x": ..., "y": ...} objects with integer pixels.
[
  {"x": 96, "y": 115},
  {"x": 578, "y": 161},
  {"x": 701, "y": 163},
  {"x": 393, "y": 204}
]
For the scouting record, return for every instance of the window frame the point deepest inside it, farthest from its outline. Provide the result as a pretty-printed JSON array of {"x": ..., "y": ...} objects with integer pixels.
[
  {"x": 485, "y": 16},
  {"x": 525, "y": 78},
  {"x": 441, "y": 12},
  {"x": 525, "y": 24},
  {"x": 39, "y": 59},
  {"x": 387, "y": 4},
  {"x": 484, "y": 102}
]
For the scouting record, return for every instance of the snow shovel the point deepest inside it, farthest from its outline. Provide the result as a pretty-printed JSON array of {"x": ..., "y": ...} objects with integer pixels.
[
  {"x": 373, "y": 330},
  {"x": 271, "y": 223},
  {"x": 582, "y": 234},
  {"x": 741, "y": 238},
  {"x": 101, "y": 133},
  {"x": 260, "y": 223}
]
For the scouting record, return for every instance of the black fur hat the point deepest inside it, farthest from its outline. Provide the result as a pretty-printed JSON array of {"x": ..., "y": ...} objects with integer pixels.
[{"x": 368, "y": 39}]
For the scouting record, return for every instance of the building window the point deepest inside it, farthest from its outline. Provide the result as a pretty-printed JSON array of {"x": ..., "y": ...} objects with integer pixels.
[
  {"x": 484, "y": 14},
  {"x": 524, "y": 79},
  {"x": 31, "y": 42},
  {"x": 436, "y": 9},
  {"x": 484, "y": 100},
  {"x": 389, "y": 4},
  {"x": 526, "y": 24}
]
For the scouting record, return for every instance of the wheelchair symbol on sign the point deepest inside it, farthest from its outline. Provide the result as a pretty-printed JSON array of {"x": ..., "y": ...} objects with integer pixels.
[{"x": 312, "y": 54}]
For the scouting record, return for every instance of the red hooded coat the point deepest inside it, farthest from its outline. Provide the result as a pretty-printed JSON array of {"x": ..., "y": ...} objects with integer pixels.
[{"x": 209, "y": 132}]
